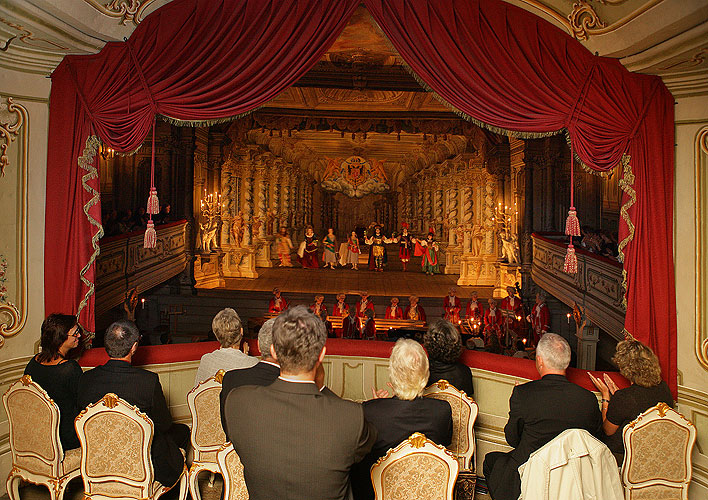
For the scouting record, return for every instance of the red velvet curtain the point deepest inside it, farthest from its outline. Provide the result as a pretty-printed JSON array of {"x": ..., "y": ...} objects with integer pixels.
[{"x": 496, "y": 63}]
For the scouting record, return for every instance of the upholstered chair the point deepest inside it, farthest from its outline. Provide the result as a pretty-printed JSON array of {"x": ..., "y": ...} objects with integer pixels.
[
  {"x": 37, "y": 455},
  {"x": 115, "y": 452},
  {"x": 657, "y": 460},
  {"x": 207, "y": 433},
  {"x": 416, "y": 469},
  {"x": 464, "y": 415},
  {"x": 231, "y": 469}
]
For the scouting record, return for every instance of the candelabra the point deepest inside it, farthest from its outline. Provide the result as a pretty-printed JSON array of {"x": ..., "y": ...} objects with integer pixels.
[{"x": 210, "y": 208}]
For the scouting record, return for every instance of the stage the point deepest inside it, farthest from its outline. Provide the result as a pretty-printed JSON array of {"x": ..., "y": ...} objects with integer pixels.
[{"x": 378, "y": 284}]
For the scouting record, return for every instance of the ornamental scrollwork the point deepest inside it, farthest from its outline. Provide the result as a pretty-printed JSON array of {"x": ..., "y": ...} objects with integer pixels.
[
  {"x": 9, "y": 132},
  {"x": 125, "y": 10},
  {"x": 583, "y": 19}
]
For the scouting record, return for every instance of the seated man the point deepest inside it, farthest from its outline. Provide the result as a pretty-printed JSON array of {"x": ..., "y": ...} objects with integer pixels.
[
  {"x": 227, "y": 328},
  {"x": 538, "y": 412},
  {"x": 140, "y": 388},
  {"x": 278, "y": 303},
  {"x": 394, "y": 311},
  {"x": 398, "y": 417},
  {"x": 414, "y": 311},
  {"x": 351, "y": 326},
  {"x": 318, "y": 436}
]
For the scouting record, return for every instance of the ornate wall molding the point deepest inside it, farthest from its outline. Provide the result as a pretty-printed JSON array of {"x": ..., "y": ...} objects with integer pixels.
[
  {"x": 29, "y": 38},
  {"x": 14, "y": 317},
  {"x": 701, "y": 164},
  {"x": 9, "y": 132},
  {"x": 125, "y": 10}
]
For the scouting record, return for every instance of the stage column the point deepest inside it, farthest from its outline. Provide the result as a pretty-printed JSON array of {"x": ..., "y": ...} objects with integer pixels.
[
  {"x": 427, "y": 206},
  {"x": 419, "y": 210},
  {"x": 438, "y": 202},
  {"x": 227, "y": 197},
  {"x": 248, "y": 205},
  {"x": 452, "y": 259}
]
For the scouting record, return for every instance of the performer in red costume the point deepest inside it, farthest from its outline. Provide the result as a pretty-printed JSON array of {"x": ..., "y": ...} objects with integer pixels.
[
  {"x": 368, "y": 331},
  {"x": 394, "y": 311},
  {"x": 277, "y": 304},
  {"x": 318, "y": 307},
  {"x": 307, "y": 252},
  {"x": 405, "y": 248},
  {"x": 414, "y": 311},
  {"x": 351, "y": 326},
  {"x": 452, "y": 306},
  {"x": 539, "y": 318},
  {"x": 341, "y": 309},
  {"x": 363, "y": 305},
  {"x": 475, "y": 308},
  {"x": 493, "y": 318},
  {"x": 513, "y": 304}
]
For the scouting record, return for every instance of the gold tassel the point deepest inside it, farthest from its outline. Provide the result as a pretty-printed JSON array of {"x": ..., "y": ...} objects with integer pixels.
[
  {"x": 153, "y": 205},
  {"x": 150, "y": 240},
  {"x": 571, "y": 261}
]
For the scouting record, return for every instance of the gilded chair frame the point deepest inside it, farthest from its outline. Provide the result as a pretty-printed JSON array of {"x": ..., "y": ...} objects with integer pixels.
[
  {"x": 416, "y": 445},
  {"x": 26, "y": 462},
  {"x": 661, "y": 413},
  {"x": 457, "y": 399},
  {"x": 231, "y": 469},
  {"x": 205, "y": 451},
  {"x": 108, "y": 486}
]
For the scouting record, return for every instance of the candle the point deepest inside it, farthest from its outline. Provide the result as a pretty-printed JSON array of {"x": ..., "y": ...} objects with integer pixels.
[
  {"x": 143, "y": 302},
  {"x": 568, "y": 316}
]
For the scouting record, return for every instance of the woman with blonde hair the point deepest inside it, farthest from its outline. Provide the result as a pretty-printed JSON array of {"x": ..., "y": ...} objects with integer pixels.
[
  {"x": 638, "y": 364},
  {"x": 397, "y": 417}
]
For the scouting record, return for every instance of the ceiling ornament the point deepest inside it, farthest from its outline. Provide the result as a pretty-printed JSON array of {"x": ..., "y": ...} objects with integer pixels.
[
  {"x": 125, "y": 10},
  {"x": 694, "y": 61},
  {"x": 28, "y": 38},
  {"x": 584, "y": 20},
  {"x": 329, "y": 95},
  {"x": 355, "y": 177}
]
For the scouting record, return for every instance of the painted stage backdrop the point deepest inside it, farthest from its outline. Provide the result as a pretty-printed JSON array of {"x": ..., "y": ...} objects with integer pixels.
[{"x": 355, "y": 177}]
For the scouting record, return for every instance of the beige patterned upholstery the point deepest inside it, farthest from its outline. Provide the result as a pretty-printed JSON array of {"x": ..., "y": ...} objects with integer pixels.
[
  {"x": 657, "y": 461},
  {"x": 416, "y": 469},
  {"x": 37, "y": 455},
  {"x": 464, "y": 415},
  {"x": 231, "y": 468},
  {"x": 115, "y": 452},
  {"x": 207, "y": 433}
]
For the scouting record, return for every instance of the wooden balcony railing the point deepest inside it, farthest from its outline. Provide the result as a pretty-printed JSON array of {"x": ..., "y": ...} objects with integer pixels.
[
  {"x": 124, "y": 263},
  {"x": 597, "y": 286}
]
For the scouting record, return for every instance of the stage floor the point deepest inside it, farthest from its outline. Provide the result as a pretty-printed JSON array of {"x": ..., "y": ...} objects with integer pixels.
[{"x": 328, "y": 281}]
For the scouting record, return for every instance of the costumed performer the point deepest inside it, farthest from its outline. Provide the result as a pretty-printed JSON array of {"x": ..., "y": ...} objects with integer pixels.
[
  {"x": 452, "y": 306},
  {"x": 278, "y": 303},
  {"x": 353, "y": 251},
  {"x": 284, "y": 246},
  {"x": 329, "y": 256},
  {"x": 405, "y": 246},
  {"x": 428, "y": 249},
  {"x": 351, "y": 327},
  {"x": 493, "y": 319},
  {"x": 318, "y": 307},
  {"x": 307, "y": 252},
  {"x": 515, "y": 308},
  {"x": 363, "y": 305},
  {"x": 378, "y": 256},
  {"x": 414, "y": 311},
  {"x": 394, "y": 311},
  {"x": 340, "y": 310},
  {"x": 539, "y": 318},
  {"x": 368, "y": 330}
]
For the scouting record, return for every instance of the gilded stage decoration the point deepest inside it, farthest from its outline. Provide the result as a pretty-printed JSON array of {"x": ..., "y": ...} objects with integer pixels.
[
  {"x": 125, "y": 10},
  {"x": 13, "y": 317},
  {"x": 355, "y": 177}
]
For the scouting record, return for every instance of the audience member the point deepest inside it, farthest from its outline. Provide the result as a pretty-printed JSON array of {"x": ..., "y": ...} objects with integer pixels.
[
  {"x": 57, "y": 374},
  {"x": 140, "y": 388},
  {"x": 444, "y": 345},
  {"x": 319, "y": 436},
  {"x": 520, "y": 350},
  {"x": 227, "y": 328},
  {"x": 165, "y": 215},
  {"x": 638, "y": 364},
  {"x": 397, "y": 417},
  {"x": 538, "y": 412}
]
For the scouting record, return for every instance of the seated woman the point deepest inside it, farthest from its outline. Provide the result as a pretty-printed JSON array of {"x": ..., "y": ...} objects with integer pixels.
[
  {"x": 58, "y": 374},
  {"x": 444, "y": 346},
  {"x": 398, "y": 417},
  {"x": 638, "y": 364}
]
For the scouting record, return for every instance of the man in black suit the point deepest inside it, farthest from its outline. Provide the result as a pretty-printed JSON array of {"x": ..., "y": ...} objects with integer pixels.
[
  {"x": 538, "y": 412},
  {"x": 406, "y": 412},
  {"x": 315, "y": 437},
  {"x": 140, "y": 388}
]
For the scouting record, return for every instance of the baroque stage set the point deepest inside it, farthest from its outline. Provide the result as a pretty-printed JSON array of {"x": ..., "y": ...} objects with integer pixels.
[{"x": 258, "y": 183}]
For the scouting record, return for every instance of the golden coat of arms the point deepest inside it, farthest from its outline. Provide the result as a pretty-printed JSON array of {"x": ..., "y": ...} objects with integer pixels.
[{"x": 355, "y": 177}]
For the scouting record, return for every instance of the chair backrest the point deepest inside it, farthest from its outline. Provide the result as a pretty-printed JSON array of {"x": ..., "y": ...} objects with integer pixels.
[
  {"x": 232, "y": 471},
  {"x": 115, "y": 449},
  {"x": 207, "y": 433},
  {"x": 34, "y": 428},
  {"x": 416, "y": 469},
  {"x": 464, "y": 415},
  {"x": 657, "y": 460}
]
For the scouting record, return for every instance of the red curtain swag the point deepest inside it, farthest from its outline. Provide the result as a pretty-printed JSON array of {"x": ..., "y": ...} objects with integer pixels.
[{"x": 495, "y": 63}]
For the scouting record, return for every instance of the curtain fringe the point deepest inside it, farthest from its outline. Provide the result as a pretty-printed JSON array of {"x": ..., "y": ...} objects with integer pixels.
[
  {"x": 626, "y": 183},
  {"x": 206, "y": 123}
]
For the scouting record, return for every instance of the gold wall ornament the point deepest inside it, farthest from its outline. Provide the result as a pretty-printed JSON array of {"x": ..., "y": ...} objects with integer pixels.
[
  {"x": 9, "y": 132},
  {"x": 701, "y": 163},
  {"x": 12, "y": 317},
  {"x": 110, "y": 400},
  {"x": 583, "y": 19},
  {"x": 417, "y": 440},
  {"x": 124, "y": 10}
]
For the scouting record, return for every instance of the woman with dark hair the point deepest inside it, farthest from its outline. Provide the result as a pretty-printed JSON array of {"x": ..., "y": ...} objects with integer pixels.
[
  {"x": 58, "y": 374},
  {"x": 444, "y": 346},
  {"x": 638, "y": 364}
]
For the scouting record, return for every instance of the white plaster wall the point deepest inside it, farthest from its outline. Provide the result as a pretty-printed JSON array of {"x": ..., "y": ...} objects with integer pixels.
[{"x": 31, "y": 91}]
